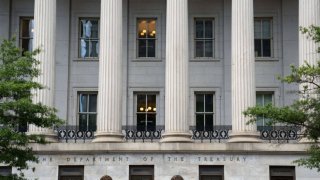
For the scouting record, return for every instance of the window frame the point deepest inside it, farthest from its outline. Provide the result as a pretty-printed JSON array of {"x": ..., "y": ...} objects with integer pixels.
[
  {"x": 195, "y": 39},
  {"x": 131, "y": 168},
  {"x": 272, "y": 93},
  {"x": 156, "y": 39},
  {"x": 90, "y": 39},
  {"x": 213, "y": 173},
  {"x": 60, "y": 175},
  {"x": 292, "y": 168},
  {"x": 87, "y": 113},
  {"x": 136, "y": 107},
  {"x": 204, "y": 112},
  {"x": 21, "y": 38},
  {"x": 271, "y": 19}
]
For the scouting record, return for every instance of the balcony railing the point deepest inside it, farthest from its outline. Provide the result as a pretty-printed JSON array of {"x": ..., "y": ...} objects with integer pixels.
[{"x": 274, "y": 134}]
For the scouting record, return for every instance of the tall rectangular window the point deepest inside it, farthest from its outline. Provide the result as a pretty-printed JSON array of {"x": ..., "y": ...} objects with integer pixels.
[
  {"x": 204, "y": 37},
  {"x": 71, "y": 173},
  {"x": 204, "y": 111},
  {"x": 262, "y": 99},
  {"x": 87, "y": 111},
  {"x": 211, "y": 172},
  {"x": 26, "y": 33},
  {"x": 141, "y": 172},
  {"x": 5, "y": 171},
  {"x": 146, "y": 37},
  {"x": 89, "y": 38},
  {"x": 146, "y": 112},
  {"x": 282, "y": 173},
  {"x": 263, "y": 37}
]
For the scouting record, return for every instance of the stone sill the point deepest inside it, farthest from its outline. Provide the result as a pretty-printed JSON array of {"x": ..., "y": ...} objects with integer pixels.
[{"x": 242, "y": 148}]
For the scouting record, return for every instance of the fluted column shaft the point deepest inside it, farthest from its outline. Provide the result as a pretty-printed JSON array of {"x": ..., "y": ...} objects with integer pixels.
[
  {"x": 243, "y": 70},
  {"x": 110, "y": 81},
  {"x": 177, "y": 86},
  {"x": 309, "y": 14},
  {"x": 45, "y": 39}
]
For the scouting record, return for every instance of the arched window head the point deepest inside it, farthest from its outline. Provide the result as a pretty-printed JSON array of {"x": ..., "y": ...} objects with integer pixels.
[
  {"x": 177, "y": 177},
  {"x": 106, "y": 177}
]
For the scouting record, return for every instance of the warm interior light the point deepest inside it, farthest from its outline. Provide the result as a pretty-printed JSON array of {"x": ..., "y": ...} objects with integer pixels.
[
  {"x": 153, "y": 32},
  {"x": 141, "y": 109},
  {"x": 142, "y": 34},
  {"x": 154, "y": 109},
  {"x": 149, "y": 108},
  {"x": 144, "y": 31}
]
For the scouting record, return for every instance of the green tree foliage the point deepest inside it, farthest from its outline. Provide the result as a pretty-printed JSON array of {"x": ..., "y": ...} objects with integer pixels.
[
  {"x": 17, "y": 73},
  {"x": 304, "y": 112}
]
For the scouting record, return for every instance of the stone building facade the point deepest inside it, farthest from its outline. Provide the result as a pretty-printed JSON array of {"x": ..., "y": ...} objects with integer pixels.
[{"x": 151, "y": 89}]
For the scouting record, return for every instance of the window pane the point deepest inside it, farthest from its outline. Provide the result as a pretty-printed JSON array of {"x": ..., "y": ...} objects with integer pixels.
[
  {"x": 199, "y": 48},
  {"x": 266, "y": 47},
  {"x": 92, "y": 122},
  {"x": 27, "y": 26},
  {"x": 82, "y": 122},
  {"x": 5, "y": 170},
  {"x": 142, "y": 28},
  {"x": 141, "y": 103},
  {"x": 208, "y": 30},
  {"x": 257, "y": 47},
  {"x": 94, "y": 29},
  {"x": 141, "y": 177},
  {"x": 259, "y": 99},
  {"x": 208, "y": 49},
  {"x": 199, "y": 122},
  {"x": 209, "y": 122},
  {"x": 267, "y": 99},
  {"x": 151, "y": 48},
  {"x": 151, "y": 122},
  {"x": 199, "y": 29},
  {"x": 83, "y": 48},
  {"x": 141, "y": 122},
  {"x": 210, "y": 177},
  {"x": 199, "y": 103},
  {"x": 83, "y": 28},
  {"x": 93, "y": 103},
  {"x": 151, "y": 104},
  {"x": 142, "y": 48},
  {"x": 83, "y": 102},
  {"x": 266, "y": 29},
  {"x": 257, "y": 29},
  {"x": 94, "y": 48},
  {"x": 151, "y": 29},
  {"x": 26, "y": 44},
  {"x": 209, "y": 103}
]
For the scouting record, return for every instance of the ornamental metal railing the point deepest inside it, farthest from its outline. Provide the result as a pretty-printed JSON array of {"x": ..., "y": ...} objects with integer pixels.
[
  {"x": 71, "y": 134},
  {"x": 280, "y": 133},
  {"x": 143, "y": 136},
  {"x": 214, "y": 135}
]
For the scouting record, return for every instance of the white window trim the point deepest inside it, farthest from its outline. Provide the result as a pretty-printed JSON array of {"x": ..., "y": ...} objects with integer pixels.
[
  {"x": 75, "y": 104},
  {"x": 217, "y": 41},
  {"x": 75, "y": 25},
  {"x": 133, "y": 21},
  {"x": 216, "y": 105},
  {"x": 276, "y": 43},
  {"x": 15, "y": 24},
  {"x": 274, "y": 90},
  {"x": 132, "y": 104}
]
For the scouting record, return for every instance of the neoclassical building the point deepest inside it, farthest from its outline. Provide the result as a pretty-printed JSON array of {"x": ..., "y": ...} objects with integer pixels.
[{"x": 152, "y": 89}]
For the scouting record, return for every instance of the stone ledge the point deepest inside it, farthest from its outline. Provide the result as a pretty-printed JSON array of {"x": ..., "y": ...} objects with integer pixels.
[{"x": 96, "y": 148}]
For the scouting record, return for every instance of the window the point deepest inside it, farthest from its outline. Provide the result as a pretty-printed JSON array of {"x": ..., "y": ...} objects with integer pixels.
[
  {"x": 26, "y": 33},
  {"x": 87, "y": 111},
  {"x": 204, "y": 111},
  {"x": 263, "y": 37},
  {"x": 146, "y": 37},
  {"x": 89, "y": 38},
  {"x": 204, "y": 38},
  {"x": 211, "y": 172},
  {"x": 5, "y": 171},
  {"x": 262, "y": 99},
  {"x": 70, "y": 173},
  {"x": 141, "y": 172},
  {"x": 282, "y": 173},
  {"x": 146, "y": 112}
]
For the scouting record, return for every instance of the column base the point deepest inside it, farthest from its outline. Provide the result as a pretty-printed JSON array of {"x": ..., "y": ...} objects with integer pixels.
[
  {"x": 176, "y": 137},
  {"x": 106, "y": 137},
  {"x": 49, "y": 137},
  {"x": 244, "y": 137}
]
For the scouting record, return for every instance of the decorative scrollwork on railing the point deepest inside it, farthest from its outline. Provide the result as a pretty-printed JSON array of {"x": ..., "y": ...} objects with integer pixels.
[
  {"x": 143, "y": 135},
  {"x": 74, "y": 135},
  {"x": 280, "y": 134},
  {"x": 219, "y": 134}
]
